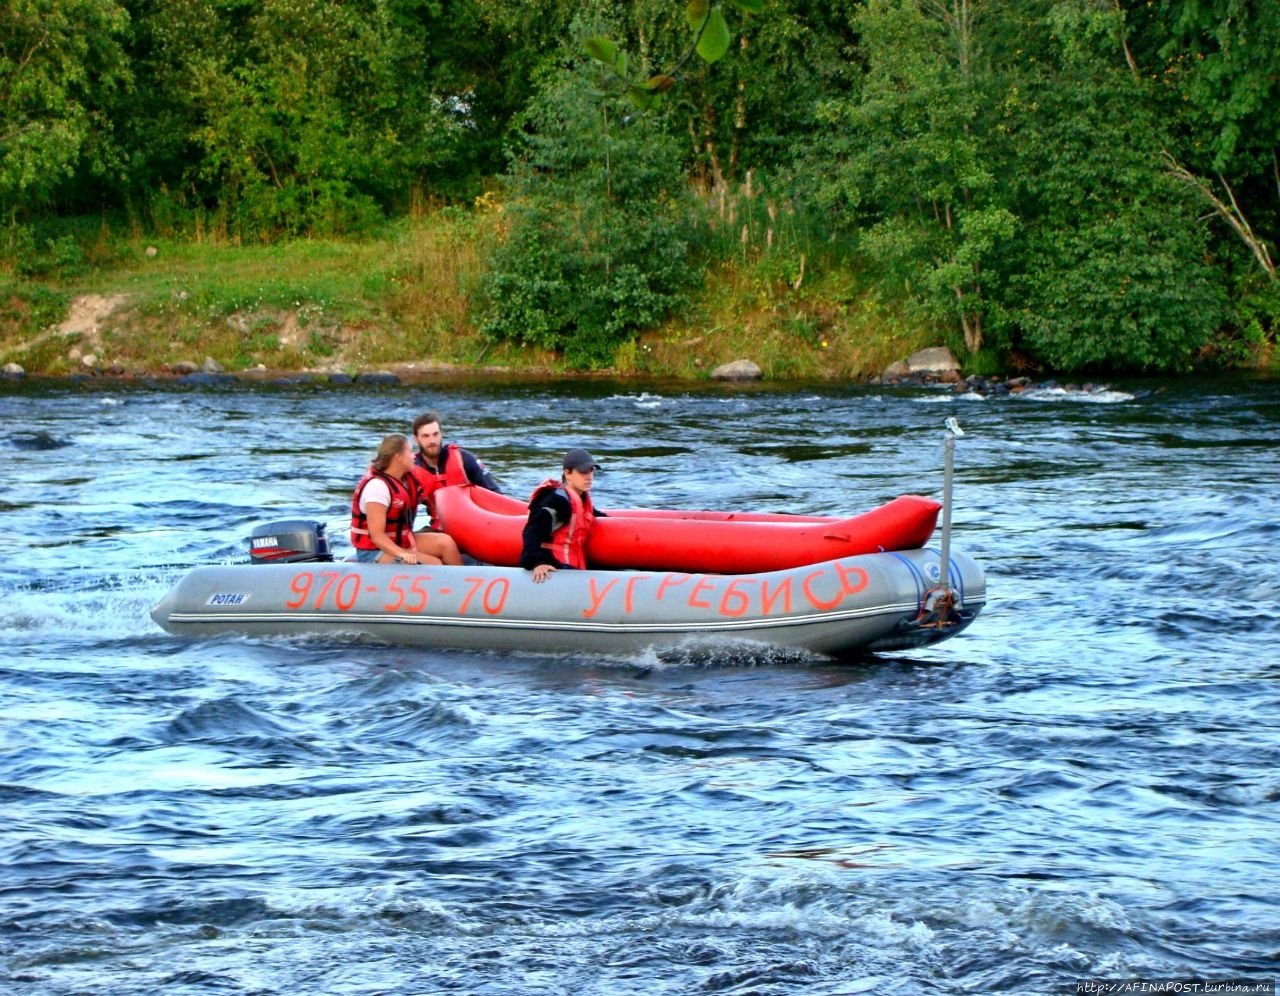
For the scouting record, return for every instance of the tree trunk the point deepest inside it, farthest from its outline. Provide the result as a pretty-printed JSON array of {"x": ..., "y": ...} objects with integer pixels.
[
  {"x": 1229, "y": 212},
  {"x": 970, "y": 324}
]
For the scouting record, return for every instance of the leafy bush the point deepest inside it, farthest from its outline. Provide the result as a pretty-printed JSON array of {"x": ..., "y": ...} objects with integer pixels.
[
  {"x": 596, "y": 243},
  {"x": 1121, "y": 292},
  {"x": 1110, "y": 267},
  {"x": 30, "y": 254},
  {"x": 1252, "y": 331}
]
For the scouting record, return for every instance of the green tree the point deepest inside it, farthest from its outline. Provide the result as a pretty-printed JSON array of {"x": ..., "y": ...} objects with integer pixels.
[
  {"x": 1110, "y": 267},
  {"x": 306, "y": 115},
  {"x": 597, "y": 235},
  {"x": 315, "y": 115},
  {"x": 913, "y": 169},
  {"x": 740, "y": 103},
  {"x": 1219, "y": 57},
  {"x": 480, "y": 57},
  {"x": 747, "y": 112},
  {"x": 60, "y": 61},
  {"x": 1001, "y": 170},
  {"x": 1222, "y": 56}
]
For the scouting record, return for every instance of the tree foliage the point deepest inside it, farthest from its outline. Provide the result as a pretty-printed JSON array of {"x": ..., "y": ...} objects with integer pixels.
[
  {"x": 60, "y": 62},
  {"x": 1081, "y": 183},
  {"x": 1220, "y": 57},
  {"x": 916, "y": 168},
  {"x": 1110, "y": 270},
  {"x": 1006, "y": 170},
  {"x": 597, "y": 233}
]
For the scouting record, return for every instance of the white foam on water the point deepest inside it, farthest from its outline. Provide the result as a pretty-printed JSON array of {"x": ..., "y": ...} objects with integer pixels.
[
  {"x": 945, "y": 399},
  {"x": 1104, "y": 396},
  {"x": 644, "y": 399}
]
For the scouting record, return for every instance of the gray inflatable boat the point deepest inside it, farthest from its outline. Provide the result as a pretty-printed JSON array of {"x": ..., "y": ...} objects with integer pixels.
[{"x": 868, "y": 603}]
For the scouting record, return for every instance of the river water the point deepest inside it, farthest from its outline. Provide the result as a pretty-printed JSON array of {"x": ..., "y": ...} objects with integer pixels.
[{"x": 1084, "y": 784}]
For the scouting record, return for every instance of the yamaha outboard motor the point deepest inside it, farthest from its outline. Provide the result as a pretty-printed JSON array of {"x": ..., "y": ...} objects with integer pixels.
[{"x": 293, "y": 541}]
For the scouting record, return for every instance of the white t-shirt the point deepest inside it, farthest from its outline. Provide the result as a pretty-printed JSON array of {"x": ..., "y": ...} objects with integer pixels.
[{"x": 375, "y": 491}]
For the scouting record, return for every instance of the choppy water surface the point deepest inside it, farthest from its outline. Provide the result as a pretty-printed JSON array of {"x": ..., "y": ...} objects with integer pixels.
[{"x": 1083, "y": 784}]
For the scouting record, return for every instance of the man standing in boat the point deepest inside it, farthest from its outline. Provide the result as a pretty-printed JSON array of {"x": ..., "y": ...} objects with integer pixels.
[
  {"x": 438, "y": 463},
  {"x": 560, "y": 518}
]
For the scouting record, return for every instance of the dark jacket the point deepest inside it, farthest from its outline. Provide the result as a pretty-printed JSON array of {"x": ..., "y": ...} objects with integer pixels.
[{"x": 548, "y": 513}]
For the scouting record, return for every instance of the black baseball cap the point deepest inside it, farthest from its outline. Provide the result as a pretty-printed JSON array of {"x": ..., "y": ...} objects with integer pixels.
[{"x": 580, "y": 460}]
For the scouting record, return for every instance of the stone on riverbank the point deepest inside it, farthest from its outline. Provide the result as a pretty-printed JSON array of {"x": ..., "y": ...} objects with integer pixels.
[
  {"x": 934, "y": 360},
  {"x": 377, "y": 378},
  {"x": 935, "y": 365},
  {"x": 737, "y": 370},
  {"x": 12, "y": 371},
  {"x": 205, "y": 378}
]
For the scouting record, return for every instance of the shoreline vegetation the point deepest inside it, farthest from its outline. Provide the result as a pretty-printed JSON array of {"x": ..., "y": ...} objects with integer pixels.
[
  {"x": 654, "y": 189},
  {"x": 397, "y": 307},
  {"x": 133, "y": 306}
]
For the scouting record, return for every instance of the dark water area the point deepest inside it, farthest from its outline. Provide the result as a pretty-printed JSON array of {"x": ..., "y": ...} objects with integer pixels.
[{"x": 1086, "y": 783}]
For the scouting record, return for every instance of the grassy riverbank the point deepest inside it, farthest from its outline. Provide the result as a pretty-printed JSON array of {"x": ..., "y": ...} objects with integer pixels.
[{"x": 99, "y": 298}]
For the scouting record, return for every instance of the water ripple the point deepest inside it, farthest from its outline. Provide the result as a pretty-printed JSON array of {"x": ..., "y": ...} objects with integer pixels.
[{"x": 1081, "y": 785}]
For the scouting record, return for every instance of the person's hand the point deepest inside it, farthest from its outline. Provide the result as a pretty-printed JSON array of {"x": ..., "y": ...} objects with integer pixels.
[
  {"x": 540, "y": 573},
  {"x": 408, "y": 557}
]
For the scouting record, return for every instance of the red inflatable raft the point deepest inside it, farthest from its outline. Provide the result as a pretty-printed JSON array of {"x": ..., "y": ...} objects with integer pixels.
[{"x": 487, "y": 526}]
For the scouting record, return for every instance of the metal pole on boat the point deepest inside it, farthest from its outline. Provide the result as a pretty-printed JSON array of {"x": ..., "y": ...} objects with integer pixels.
[{"x": 949, "y": 446}]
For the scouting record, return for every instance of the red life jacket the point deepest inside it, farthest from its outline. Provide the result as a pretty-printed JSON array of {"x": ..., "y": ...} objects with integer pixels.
[
  {"x": 568, "y": 544},
  {"x": 453, "y": 472},
  {"x": 404, "y": 500}
]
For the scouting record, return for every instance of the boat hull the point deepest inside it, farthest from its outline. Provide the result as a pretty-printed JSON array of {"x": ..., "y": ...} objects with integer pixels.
[
  {"x": 873, "y": 602},
  {"x": 488, "y": 527}
]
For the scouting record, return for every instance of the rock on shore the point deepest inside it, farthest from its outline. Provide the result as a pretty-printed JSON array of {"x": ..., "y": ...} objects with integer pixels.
[
  {"x": 938, "y": 366},
  {"x": 737, "y": 370}
]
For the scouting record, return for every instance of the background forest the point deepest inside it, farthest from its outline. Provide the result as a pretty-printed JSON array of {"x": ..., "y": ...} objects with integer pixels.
[{"x": 1064, "y": 185}]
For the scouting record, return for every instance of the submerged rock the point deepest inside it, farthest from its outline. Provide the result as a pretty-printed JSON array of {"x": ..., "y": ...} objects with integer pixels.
[
  {"x": 377, "y": 378},
  {"x": 203, "y": 378},
  {"x": 934, "y": 370},
  {"x": 38, "y": 441}
]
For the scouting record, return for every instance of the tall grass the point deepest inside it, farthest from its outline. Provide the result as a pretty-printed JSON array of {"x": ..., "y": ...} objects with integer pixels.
[
  {"x": 302, "y": 303},
  {"x": 777, "y": 290}
]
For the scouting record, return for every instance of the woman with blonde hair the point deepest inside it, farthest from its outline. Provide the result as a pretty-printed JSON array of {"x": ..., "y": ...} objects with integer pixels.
[{"x": 382, "y": 511}]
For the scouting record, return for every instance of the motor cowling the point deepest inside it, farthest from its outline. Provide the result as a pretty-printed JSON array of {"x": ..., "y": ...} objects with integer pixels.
[{"x": 292, "y": 541}]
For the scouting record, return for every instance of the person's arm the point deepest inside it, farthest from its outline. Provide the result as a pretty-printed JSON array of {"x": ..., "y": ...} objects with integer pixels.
[
  {"x": 544, "y": 519},
  {"x": 478, "y": 473}
]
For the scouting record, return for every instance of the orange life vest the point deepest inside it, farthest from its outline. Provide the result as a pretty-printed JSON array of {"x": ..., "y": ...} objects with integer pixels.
[
  {"x": 568, "y": 544},
  {"x": 404, "y": 500},
  {"x": 453, "y": 472}
]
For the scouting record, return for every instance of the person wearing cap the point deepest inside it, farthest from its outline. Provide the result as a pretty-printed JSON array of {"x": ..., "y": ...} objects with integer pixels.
[{"x": 561, "y": 515}]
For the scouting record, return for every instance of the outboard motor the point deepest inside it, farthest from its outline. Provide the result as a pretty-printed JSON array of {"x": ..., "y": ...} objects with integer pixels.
[{"x": 292, "y": 541}]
